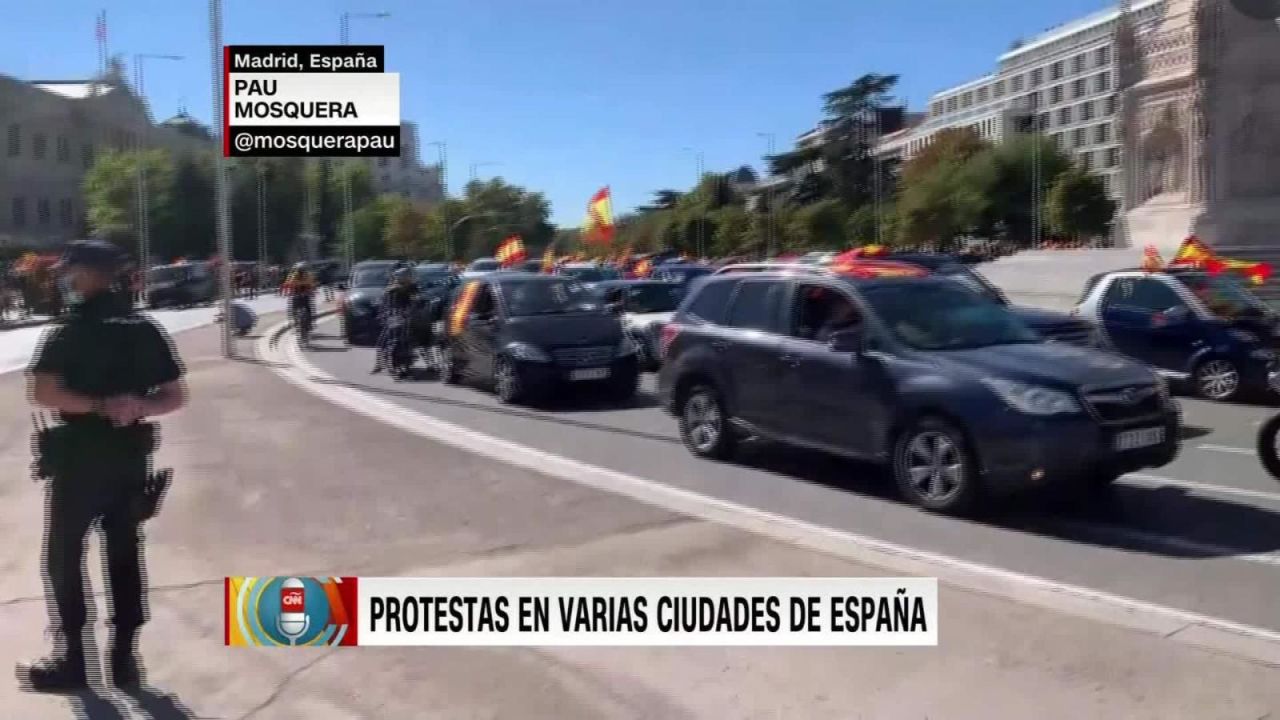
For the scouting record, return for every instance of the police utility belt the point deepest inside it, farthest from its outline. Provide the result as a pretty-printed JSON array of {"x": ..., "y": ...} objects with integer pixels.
[{"x": 55, "y": 446}]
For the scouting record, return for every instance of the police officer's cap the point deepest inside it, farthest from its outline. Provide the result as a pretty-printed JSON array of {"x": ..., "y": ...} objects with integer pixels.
[{"x": 94, "y": 254}]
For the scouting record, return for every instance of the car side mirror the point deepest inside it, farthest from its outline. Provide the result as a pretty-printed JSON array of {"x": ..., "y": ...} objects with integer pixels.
[{"x": 847, "y": 341}]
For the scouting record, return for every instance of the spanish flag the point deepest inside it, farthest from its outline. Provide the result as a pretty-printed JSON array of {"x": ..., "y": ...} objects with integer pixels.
[
  {"x": 643, "y": 268},
  {"x": 598, "y": 227},
  {"x": 549, "y": 258},
  {"x": 1257, "y": 272},
  {"x": 458, "y": 320},
  {"x": 510, "y": 252},
  {"x": 1194, "y": 253}
]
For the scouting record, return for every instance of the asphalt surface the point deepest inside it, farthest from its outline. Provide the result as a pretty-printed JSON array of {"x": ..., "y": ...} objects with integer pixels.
[{"x": 1201, "y": 534}]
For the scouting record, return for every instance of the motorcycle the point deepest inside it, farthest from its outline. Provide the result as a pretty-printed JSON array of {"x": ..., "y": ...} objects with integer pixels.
[
  {"x": 401, "y": 351},
  {"x": 301, "y": 316}
]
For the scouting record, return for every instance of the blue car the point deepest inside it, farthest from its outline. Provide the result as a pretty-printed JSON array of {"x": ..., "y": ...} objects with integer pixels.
[{"x": 1188, "y": 325}]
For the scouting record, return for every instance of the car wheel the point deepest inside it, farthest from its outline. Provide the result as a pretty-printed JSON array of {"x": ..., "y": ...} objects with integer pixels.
[
  {"x": 450, "y": 373},
  {"x": 1269, "y": 446},
  {"x": 1217, "y": 379},
  {"x": 934, "y": 468},
  {"x": 704, "y": 424},
  {"x": 506, "y": 381}
]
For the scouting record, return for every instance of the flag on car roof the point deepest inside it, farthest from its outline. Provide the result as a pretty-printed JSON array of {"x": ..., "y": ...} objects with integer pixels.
[
  {"x": 1194, "y": 253},
  {"x": 1151, "y": 260},
  {"x": 598, "y": 227},
  {"x": 549, "y": 258},
  {"x": 510, "y": 252}
]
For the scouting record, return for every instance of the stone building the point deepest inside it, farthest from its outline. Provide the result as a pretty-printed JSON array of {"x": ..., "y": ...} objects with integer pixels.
[{"x": 51, "y": 132}]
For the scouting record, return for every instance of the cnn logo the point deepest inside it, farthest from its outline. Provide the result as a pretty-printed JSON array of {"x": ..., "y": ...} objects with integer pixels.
[{"x": 292, "y": 598}]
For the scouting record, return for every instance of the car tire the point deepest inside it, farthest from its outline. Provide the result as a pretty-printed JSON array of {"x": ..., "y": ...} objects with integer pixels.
[
  {"x": 449, "y": 370},
  {"x": 935, "y": 469},
  {"x": 1268, "y": 436},
  {"x": 705, "y": 427},
  {"x": 506, "y": 381},
  {"x": 1217, "y": 379}
]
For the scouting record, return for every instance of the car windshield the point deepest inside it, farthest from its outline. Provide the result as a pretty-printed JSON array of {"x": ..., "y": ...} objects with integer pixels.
[
  {"x": 973, "y": 281},
  {"x": 651, "y": 298},
  {"x": 167, "y": 274},
  {"x": 945, "y": 316},
  {"x": 586, "y": 274},
  {"x": 371, "y": 277},
  {"x": 682, "y": 274},
  {"x": 433, "y": 278},
  {"x": 1224, "y": 296},
  {"x": 547, "y": 298},
  {"x": 485, "y": 266}
]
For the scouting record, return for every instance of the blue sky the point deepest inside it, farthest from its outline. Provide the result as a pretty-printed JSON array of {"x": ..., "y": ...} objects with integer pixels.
[{"x": 568, "y": 95}]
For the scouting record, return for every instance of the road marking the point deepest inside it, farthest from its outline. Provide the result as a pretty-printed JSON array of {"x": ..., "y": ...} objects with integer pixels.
[
  {"x": 1228, "y": 449},
  {"x": 1196, "y": 549},
  {"x": 1158, "y": 480},
  {"x": 1182, "y": 626}
]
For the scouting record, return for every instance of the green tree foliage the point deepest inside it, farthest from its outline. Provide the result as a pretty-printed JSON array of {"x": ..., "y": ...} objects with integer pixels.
[
  {"x": 111, "y": 193},
  {"x": 820, "y": 226},
  {"x": 1078, "y": 205},
  {"x": 496, "y": 210},
  {"x": 405, "y": 233}
]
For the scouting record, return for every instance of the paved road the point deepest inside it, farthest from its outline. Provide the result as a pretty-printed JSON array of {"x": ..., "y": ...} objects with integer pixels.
[
  {"x": 1202, "y": 534},
  {"x": 18, "y": 344}
]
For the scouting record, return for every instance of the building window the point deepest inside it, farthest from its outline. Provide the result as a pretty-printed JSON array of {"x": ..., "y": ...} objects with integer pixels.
[
  {"x": 1113, "y": 104},
  {"x": 1031, "y": 101},
  {"x": 42, "y": 211},
  {"x": 1078, "y": 138},
  {"x": 1059, "y": 139},
  {"x": 935, "y": 109},
  {"x": 1055, "y": 71},
  {"x": 1064, "y": 115},
  {"x": 1055, "y": 95},
  {"x": 1078, "y": 89},
  {"x": 952, "y": 104},
  {"x": 1077, "y": 64},
  {"x": 983, "y": 94},
  {"x": 1104, "y": 55},
  {"x": 1043, "y": 120},
  {"x": 64, "y": 149},
  {"x": 39, "y": 145},
  {"x": 966, "y": 100},
  {"x": 86, "y": 155},
  {"x": 64, "y": 212},
  {"x": 998, "y": 90},
  {"x": 1102, "y": 133},
  {"x": 19, "y": 212},
  {"x": 15, "y": 140},
  {"x": 1037, "y": 77},
  {"x": 1086, "y": 110},
  {"x": 1113, "y": 157},
  {"x": 1102, "y": 82},
  {"x": 1015, "y": 85},
  {"x": 1086, "y": 160}
]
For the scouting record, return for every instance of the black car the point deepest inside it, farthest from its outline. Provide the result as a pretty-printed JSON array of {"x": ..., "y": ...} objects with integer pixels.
[
  {"x": 181, "y": 285},
  {"x": 369, "y": 280},
  {"x": 1054, "y": 326},
  {"x": 526, "y": 335},
  {"x": 951, "y": 390},
  {"x": 481, "y": 267},
  {"x": 682, "y": 273}
]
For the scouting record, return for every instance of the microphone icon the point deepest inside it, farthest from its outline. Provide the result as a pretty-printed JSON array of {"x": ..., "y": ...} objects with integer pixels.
[{"x": 293, "y": 622}]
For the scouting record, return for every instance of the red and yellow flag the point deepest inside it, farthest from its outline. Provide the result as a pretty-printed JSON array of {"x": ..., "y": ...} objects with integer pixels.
[
  {"x": 1257, "y": 272},
  {"x": 644, "y": 268},
  {"x": 1192, "y": 253},
  {"x": 549, "y": 259},
  {"x": 459, "y": 318},
  {"x": 511, "y": 252},
  {"x": 598, "y": 227}
]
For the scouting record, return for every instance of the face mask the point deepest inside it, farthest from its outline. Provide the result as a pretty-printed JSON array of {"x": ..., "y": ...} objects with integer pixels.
[{"x": 69, "y": 294}]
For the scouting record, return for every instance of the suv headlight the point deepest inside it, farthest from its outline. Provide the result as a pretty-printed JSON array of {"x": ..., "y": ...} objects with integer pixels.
[
  {"x": 527, "y": 352},
  {"x": 626, "y": 346},
  {"x": 1032, "y": 399}
]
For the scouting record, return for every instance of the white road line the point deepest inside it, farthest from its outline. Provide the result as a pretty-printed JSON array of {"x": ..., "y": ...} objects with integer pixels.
[
  {"x": 1194, "y": 548},
  {"x": 1228, "y": 449},
  {"x": 1158, "y": 481},
  {"x": 1182, "y": 626}
]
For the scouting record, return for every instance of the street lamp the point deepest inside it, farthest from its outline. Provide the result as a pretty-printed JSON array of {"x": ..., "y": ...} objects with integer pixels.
[
  {"x": 768, "y": 198},
  {"x": 700, "y": 169},
  {"x": 474, "y": 166},
  {"x": 221, "y": 213},
  {"x": 144, "y": 203},
  {"x": 458, "y": 223},
  {"x": 344, "y": 34}
]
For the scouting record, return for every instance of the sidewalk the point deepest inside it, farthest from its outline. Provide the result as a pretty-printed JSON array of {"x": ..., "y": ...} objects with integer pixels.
[{"x": 271, "y": 480}]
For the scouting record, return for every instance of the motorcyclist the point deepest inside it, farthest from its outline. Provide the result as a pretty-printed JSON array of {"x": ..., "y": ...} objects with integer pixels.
[
  {"x": 300, "y": 288},
  {"x": 394, "y": 315}
]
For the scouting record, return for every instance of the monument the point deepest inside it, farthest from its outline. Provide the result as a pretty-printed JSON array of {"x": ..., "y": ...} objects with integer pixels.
[{"x": 1200, "y": 122}]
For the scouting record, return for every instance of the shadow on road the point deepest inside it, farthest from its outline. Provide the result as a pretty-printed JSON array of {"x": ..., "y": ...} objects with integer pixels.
[{"x": 1191, "y": 432}]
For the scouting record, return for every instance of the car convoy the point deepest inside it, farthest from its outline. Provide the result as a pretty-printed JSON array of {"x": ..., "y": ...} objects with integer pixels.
[{"x": 911, "y": 360}]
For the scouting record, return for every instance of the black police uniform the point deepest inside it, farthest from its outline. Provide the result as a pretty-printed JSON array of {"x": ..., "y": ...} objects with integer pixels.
[{"x": 102, "y": 349}]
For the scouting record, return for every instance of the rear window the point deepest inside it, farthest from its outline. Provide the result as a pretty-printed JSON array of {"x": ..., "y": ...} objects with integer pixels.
[
  {"x": 709, "y": 300},
  {"x": 753, "y": 306}
]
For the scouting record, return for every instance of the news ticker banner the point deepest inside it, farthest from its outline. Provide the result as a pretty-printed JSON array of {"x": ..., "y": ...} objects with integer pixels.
[
  {"x": 563, "y": 612},
  {"x": 310, "y": 101}
]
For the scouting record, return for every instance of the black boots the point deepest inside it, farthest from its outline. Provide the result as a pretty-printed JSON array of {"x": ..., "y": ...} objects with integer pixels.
[
  {"x": 123, "y": 661},
  {"x": 62, "y": 672}
]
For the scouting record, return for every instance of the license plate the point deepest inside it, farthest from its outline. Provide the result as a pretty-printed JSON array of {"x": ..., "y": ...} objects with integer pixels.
[
  {"x": 1140, "y": 438},
  {"x": 589, "y": 374}
]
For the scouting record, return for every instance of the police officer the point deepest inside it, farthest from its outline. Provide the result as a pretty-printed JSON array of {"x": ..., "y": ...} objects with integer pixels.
[{"x": 101, "y": 371}]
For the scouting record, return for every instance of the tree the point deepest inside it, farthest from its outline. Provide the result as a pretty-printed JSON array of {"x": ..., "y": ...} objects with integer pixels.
[
  {"x": 733, "y": 230},
  {"x": 1078, "y": 206},
  {"x": 950, "y": 145},
  {"x": 111, "y": 194},
  {"x": 1006, "y": 174},
  {"x": 404, "y": 235},
  {"x": 819, "y": 226}
]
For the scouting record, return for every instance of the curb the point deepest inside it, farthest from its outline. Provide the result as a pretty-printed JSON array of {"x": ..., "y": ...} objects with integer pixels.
[{"x": 1184, "y": 627}]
